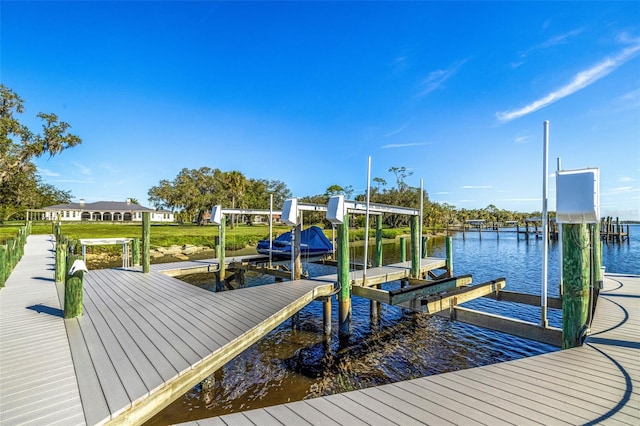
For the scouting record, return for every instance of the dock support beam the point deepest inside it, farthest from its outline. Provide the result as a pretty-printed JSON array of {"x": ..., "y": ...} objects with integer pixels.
[
  {"x": 146, "y": 242},
  {"x": 575, "y": 280},
  {"x": 449, "y": 251},
  {"x": 344, "y": 297},
  {"x": 415, "y": 246}
]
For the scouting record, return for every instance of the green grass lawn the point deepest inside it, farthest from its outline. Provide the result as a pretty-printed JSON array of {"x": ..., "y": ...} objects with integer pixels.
[{"x": 165, "y": 235}]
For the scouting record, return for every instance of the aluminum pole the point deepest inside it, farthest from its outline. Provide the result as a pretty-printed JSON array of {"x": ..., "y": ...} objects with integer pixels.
[
  {"x": 545, "y": 230},
  {"x": 366, "y": 224}
]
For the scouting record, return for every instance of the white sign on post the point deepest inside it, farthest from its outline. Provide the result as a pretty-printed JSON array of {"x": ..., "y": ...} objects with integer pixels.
[{"x": 578, "y": 196}]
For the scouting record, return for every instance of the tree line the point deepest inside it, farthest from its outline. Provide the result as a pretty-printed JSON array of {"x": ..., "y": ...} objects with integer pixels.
[{"x": 194, "y": 192}]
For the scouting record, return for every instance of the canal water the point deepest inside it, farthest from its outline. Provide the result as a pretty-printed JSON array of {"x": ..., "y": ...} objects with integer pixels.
[{"x": 290, "y": 365}]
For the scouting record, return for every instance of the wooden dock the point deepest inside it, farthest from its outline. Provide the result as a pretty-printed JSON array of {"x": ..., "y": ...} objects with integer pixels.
[
  {"x": 596, "y": 383},
  {"x": 142, "y": 342}
]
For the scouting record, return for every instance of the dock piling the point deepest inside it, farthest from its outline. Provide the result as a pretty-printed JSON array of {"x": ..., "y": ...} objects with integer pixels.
[
  {"x": 403, "y": 249},
  {"x": 4, "y": 273},
  {"x": 415, "y": 246},
  {"x": 449, "y": 254},
  {"x": 135, "y": 251},
  {"x": 146, "y": 242},
  {"x": 73, "y": 290},
  {"x": 344, "y": 296},
  {"x": 575, "y": 280}
]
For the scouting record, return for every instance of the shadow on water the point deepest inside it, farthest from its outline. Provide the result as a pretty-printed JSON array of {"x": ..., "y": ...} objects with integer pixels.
[{"x": 289, "y": 365}]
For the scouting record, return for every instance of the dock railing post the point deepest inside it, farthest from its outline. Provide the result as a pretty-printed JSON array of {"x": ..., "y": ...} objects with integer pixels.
[
  {"x": 146, "y": 242},
  {"x": 575, "y": 280},
  {"x": 449, "y": 254},
  {"x": 344, "y": 297}
]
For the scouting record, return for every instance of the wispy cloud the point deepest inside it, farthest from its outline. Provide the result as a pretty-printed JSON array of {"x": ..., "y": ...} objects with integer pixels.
[
  {"x": 559, "y": 39},
  {"x": 82, "y": 169},
  {"x": 476, "y": 187},
  {"x": 404, "y": 145},
  {"x": 441, "y": 193},
  {"x": 553, "y": 41},
  {"x": 48, "y": 173},
  {"x": 437, "y": 79},
  {"x": 521, "y": 139},
  {"x": 396, "y": 131},
  {"x": 580, "y": 81},
  {"x": 625, "y": 179}
]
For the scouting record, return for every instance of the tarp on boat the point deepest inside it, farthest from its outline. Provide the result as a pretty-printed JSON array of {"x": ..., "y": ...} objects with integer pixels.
[{"x": 313, "y": 242}]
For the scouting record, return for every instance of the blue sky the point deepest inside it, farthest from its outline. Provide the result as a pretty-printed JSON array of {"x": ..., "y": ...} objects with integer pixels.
[{"x": 456, "y": 92}]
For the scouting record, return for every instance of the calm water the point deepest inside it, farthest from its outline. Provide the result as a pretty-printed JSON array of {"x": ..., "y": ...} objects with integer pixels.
[{"x": 289, "y": 365}]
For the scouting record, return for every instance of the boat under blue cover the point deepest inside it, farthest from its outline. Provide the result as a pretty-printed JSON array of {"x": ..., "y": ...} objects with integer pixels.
[{"x": 313, "y": 242}]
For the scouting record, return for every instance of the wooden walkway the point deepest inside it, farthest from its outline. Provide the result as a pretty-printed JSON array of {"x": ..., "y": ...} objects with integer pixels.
[
  {"x": 143, "y": 341},
  {"x": 593, "y": 384},
  {"x": 37, "y": 379}
]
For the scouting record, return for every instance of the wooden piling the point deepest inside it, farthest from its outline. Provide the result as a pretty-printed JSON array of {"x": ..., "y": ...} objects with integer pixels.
[
  {"x": 326, "y": 315},
  {"x": 73, "y": 293},
  {"x": 597, "y": 255},
  {"x": 146, "y": 242},
  {"x": 297, "y": 236},
  {"x": 61, "y": 259},
  {"x": 135, "y": 251},
  {"x": 344, "y": 297},
  {"x": 403, "y": 249},
  {"x": 378, "y": 240},
  {"x": 575, "y": 280},
  {"x": 4, "y": 272},
  {"x": 221, "y": 257},
  {"x": 425, "y": 252},
  {"x": 415, "y": 247},
  {"x": 449, "y": 254},
  {"x": 374, "y": 306}
]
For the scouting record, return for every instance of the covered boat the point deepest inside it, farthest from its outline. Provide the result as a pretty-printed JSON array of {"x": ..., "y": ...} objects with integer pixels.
[{"x": 313, "y": 242}]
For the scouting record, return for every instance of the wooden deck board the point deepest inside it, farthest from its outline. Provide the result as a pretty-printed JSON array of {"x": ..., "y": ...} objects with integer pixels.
[
  {"x": 141, "y": 334},
  {"x": 595, "y": 383}
]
